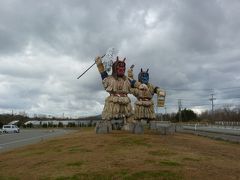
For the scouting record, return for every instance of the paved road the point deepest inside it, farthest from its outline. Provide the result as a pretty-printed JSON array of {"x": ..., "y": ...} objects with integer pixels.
[
  {"x": 28, "y": 136},
  {"x": 215, "y": 129},
  {"x": 216, "y": 132},
  {"x": 226, "y": 137},
  {"x": 229, "y": 134}
]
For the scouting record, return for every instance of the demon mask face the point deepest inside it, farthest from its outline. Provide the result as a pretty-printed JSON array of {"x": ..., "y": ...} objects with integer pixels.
[
  {"x": 143, "y": 77},
  {"x": 118, "y": 68}
]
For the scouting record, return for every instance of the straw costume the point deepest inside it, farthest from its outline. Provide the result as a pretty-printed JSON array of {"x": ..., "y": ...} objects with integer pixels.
[
  {"x": 117, "y": 104},
  {"x": 144, "y": 92}
]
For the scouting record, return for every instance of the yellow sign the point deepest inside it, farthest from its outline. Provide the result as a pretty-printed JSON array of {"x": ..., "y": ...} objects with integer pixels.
[{"x": 160, "y": 101}]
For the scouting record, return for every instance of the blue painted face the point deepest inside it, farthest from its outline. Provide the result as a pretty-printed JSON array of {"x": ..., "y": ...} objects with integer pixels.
[{"x": 143, "y": 77}]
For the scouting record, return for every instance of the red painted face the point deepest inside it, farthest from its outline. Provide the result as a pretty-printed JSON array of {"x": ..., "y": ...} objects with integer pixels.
[{"x": 120, "y": 69}]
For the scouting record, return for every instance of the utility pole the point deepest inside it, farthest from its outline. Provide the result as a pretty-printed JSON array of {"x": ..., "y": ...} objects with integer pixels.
[
  {"x": 156, "y": 110},
  {"x": 165, "y": 116},
  {"x": 212, "y": 99},
  {"x": 179, "y": 110},
  {"x": 159, "y": 115}
]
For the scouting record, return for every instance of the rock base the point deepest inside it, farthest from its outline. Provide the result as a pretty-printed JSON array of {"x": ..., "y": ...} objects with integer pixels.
[
  {"x": 138, "y": 128},
  {"x": 128, "y": 127},
  {"x": 153, "y": 125},
  {"x": 166, "y": 129},
  {"x": 162, "y": 127},
  {"x": 103, "y": 127}
]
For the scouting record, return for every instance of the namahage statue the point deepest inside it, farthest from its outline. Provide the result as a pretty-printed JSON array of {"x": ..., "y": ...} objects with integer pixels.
[
  {"x": 144, "y": 91},
  {"x": 117, "y": 104}
]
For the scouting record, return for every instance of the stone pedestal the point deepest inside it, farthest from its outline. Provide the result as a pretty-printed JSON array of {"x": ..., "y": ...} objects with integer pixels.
[
  {"x": 153, "y": 125},
  {"x": 128, "y": 127},
  {"x": 165, "y": 129},
  {"x": 103, "y": 127},
  {"x": 117, "y": 124},
  {"x": 138, "y": 128}
]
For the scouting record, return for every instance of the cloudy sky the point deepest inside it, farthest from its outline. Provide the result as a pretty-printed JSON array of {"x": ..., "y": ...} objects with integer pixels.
[{"x": 191, "y": 47}]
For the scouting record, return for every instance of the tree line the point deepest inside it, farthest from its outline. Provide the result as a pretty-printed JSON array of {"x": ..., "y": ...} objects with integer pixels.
[{"x": 225, "y": 114}]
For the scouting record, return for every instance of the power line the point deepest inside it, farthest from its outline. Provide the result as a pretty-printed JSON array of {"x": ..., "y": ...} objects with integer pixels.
[
  {"x": 229, "y": 98},
  {"x": 191, "y": 99},
  {"x": 188, "y": 89},
  {"x": 200, "y": 89},
  {"x": 227, "y": 90},
  {"x": 230, "y": 88}
]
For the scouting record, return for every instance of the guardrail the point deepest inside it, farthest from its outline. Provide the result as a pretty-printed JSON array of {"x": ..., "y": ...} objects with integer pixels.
[{"x": 214, "y": 129}]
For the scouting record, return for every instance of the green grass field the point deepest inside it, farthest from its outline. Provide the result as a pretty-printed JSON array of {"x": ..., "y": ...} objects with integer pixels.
[{"x": 122, "y": 155}]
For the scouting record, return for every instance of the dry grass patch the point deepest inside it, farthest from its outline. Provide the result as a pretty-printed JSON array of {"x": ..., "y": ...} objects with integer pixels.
[{"x": 122, "y": 155}]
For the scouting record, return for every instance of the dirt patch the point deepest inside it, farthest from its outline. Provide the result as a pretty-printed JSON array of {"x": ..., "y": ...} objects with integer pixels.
[{"x": 122, "y": 155}]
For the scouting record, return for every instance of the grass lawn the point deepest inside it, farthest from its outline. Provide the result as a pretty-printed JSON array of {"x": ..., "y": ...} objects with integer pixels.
[{"x": 122, "y": 155}]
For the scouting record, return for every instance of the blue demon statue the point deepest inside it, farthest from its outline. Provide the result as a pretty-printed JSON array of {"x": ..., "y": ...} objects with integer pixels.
[{"x": 144, "y": 92}]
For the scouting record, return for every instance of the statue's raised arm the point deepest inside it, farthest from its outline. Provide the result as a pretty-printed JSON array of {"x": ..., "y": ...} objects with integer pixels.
[
  {"x": 100, "y": 66},
  {"x": 117, "y": 105}
]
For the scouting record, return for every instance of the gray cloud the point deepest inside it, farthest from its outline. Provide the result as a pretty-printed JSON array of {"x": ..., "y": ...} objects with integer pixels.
[{"x": 192, "y": 46}]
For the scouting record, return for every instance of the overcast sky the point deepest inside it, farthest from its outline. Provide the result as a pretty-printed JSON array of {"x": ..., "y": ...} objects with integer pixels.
[{"x": 191, "y": 47}]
